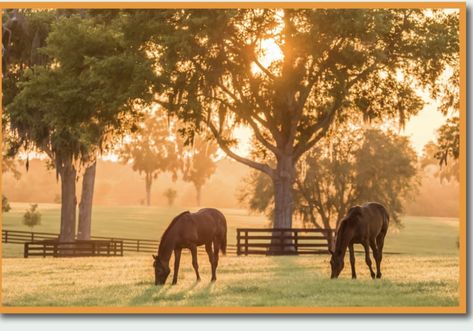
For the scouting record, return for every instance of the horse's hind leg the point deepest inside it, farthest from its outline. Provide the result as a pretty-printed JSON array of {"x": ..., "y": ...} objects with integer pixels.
[
  {"x": 210, "y": 253},
  {"x": 193, "y": 249},
  {"x": 367, "y": 258},
  {"x": 177, "y": 259},
  {"x": 375, "y": 249},
  {"x": 380, "y": 243},
  {"x": 216, "y": 249},
  {"x": 352, "y": 261}
]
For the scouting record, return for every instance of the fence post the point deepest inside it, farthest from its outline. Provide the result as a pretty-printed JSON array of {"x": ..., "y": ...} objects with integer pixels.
[
  {"x": 246, "y": 242},
  {"x": 6, "y": 237},
  {"x": 25, "y": 252},
  {"x": 121, "y": 248},
  {"x": 296, "y": 241},
  {"x": 137, "y": 245},
  {"x": 238, "y": 242},
  {"x": 32, "y": 236},
  {"x": 281, "y": 236}
]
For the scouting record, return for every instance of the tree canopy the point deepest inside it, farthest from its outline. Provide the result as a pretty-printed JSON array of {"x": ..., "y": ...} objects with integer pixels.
[{"x": 333, "y": 63}]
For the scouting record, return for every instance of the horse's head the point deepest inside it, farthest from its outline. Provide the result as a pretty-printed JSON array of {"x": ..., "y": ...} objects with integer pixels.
[
  {"x": 336, "y": 263},
  {"x": 161, "y": 271}
]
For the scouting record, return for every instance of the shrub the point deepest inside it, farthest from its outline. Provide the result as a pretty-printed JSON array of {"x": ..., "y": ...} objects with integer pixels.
[
  {"x": 32, "y": 216},
  {"x": 5, "y": 205}
]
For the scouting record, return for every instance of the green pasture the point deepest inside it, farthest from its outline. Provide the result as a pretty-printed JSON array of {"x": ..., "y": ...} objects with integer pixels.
[
  {"x": 242, "y": 281},
  {"x": 420, "y": 268},
  {"x": 418, "y": 236}
]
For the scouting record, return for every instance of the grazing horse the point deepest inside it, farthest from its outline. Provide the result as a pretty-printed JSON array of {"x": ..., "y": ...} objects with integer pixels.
[
  {"x": 366, "y": 225},
  {"x": 189, "y": 230}
]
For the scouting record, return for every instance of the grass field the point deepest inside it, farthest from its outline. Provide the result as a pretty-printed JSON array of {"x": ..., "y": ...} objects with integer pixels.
[
  {"x": 242, "y": 281},
  {"x": 419, "y": 236},
  {"x": 424, "y": 273}
]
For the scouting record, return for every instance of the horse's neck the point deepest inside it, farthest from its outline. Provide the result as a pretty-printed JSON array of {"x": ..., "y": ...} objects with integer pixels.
[
  {"x": 165, "y": 250},
  {"x": 342, "y": 242}
]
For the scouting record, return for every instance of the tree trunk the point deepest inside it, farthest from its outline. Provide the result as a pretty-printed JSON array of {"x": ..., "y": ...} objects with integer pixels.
[
  {"x": 68, "y": 203},
  {"x": 148, "y": 183},
  {"x": 198, "y": 192},
  {"x": 283, "y": 192},
  {"x": 85, "y": 205},
  {"x": 283, "y": 201}
]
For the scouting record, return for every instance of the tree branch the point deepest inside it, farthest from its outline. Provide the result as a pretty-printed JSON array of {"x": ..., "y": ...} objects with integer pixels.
[
  {"x": 320, "y": 128},
  {"x": 255, "y": 165},
  {"x": 263, "y": 69}
]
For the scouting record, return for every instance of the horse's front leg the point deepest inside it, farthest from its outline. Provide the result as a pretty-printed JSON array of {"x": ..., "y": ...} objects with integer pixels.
[
  {"x": 352, "y": 261},
  {"x": 367, "y": 258},
  {"x": 193, "y": 249},
  {"x": 177, "y": 259}
]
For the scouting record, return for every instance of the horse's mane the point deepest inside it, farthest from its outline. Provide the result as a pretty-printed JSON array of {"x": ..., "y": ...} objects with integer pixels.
[
  {"x": 345, "y": 223},
  {"x": 174, "y": 220}
]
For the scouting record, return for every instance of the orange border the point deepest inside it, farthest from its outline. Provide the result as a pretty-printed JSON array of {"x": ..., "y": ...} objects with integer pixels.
[
  {"x": 149, "y": 5},
  {"x": 460, "y": 309}
]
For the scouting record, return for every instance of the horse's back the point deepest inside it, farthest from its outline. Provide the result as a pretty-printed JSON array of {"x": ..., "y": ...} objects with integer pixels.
[
  {"x": 212, "y": 215},
  {"x": 208, "y": 223},
  {"x": 375, "y": 216}
]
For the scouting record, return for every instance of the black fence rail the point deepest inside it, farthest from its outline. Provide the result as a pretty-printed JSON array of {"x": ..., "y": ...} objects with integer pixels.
[
  {"x": 282, "y": 241},
  {"x": 20, "y": 237},
  {"x": 137, "y": 245},
  {"x": 78, "y": 248}
]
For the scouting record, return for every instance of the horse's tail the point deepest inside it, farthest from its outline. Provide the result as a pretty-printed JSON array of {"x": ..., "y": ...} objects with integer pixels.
[
  {"x": 386, "y": 220},
  {"x": 223, "y": 238}
]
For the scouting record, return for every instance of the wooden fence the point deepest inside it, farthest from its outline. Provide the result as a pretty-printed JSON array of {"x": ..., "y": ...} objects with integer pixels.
[
  {"x": 282, "y": 241},
  {"x": 129, "y": 244},
  {"x": 77, "y": 248}
]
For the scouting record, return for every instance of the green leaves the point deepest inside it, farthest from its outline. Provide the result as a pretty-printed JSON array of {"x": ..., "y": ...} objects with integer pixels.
[
  {"x": 89, "y": 93},
  {"x": 336, "y": 63}
]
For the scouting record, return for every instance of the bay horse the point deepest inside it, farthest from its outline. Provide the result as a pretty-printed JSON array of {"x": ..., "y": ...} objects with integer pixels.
[
  {"x": 188, "y": 230},
  {"x": 366, "y": 225}
]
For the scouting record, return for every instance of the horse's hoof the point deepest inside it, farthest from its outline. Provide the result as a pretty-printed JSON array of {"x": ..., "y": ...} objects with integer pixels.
[
  {"x": 378, "y": 276},
  {"x": 213, "y": 279},
  {"x": 353, "y": 277},
  {"x": 372, "y": 276}
]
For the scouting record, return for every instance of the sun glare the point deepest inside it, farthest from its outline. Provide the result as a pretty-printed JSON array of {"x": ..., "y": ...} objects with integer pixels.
[{"x": 268, "y": 51}]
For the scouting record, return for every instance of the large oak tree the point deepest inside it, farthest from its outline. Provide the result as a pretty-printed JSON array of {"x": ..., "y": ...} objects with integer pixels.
[
  {"x": 89, "y": 90},
  {"x": 335, "y": 61}
]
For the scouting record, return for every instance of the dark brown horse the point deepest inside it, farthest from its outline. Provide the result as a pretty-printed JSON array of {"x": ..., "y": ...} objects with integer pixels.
[
  {"x": 189, "y": 230},
  {"x": 366, "y": 225}
]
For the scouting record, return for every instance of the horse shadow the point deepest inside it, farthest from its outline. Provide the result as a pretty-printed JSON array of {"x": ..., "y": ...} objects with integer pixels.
[
  {"x": 153, "y": 293},
  {"x": 148, "y": 293}
]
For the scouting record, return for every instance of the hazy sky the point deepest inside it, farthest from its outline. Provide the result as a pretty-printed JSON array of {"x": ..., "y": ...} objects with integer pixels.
[{"x": 423, "y": 127}]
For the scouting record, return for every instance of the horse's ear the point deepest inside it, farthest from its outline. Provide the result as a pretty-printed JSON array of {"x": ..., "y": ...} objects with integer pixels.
[
  {"x": 330, "y": 251},
  {"x": 154, "y": 256}
]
